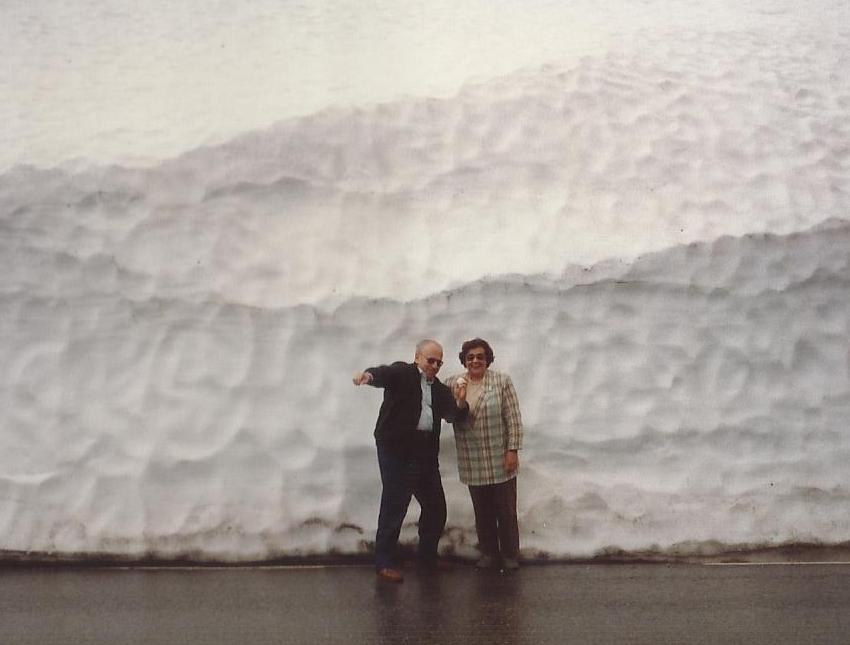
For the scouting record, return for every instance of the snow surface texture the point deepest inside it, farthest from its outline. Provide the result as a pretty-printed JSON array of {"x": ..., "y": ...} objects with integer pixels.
[{"x": 655, "y": 238}]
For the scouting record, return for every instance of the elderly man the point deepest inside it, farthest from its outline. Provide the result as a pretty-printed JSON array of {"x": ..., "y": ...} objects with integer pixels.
[{"x": 407, "y": 435}]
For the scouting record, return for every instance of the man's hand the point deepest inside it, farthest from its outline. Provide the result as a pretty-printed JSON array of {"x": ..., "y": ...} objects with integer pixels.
[
  {"x": 459, "y": 392},
  {"x": 362, "y": 378},
  {"x": 511, "y": 461}
]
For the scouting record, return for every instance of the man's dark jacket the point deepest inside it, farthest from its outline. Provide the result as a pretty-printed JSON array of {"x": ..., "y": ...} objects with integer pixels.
[{"x": 402, "y": 406}]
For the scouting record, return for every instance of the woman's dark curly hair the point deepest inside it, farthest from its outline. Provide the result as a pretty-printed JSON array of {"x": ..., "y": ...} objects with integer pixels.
[{"x": 474, "y": 344}]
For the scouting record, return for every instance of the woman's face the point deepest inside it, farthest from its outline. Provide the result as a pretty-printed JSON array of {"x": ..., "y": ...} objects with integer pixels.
[{"x": 476, "y": 362}]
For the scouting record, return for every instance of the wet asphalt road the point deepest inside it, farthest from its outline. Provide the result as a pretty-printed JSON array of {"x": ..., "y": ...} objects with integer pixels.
[{"x": 540, "y": 604}]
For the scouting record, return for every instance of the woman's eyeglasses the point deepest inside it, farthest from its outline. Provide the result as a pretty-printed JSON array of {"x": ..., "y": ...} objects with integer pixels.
[{"x": 475, "y": 357}]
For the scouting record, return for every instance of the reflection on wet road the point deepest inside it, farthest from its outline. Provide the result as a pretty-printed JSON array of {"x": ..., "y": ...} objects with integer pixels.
[{"x": 539, "y": 604}]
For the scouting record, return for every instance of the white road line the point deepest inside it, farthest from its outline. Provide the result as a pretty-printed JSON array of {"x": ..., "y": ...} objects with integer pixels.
[
  {"x": 773, "y": 564},
  {"x": 265, "y": 567}
]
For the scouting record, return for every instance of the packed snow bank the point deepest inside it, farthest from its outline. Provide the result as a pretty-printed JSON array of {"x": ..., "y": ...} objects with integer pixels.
[
  {"x": 668, "y": 139},
  {"x": 133, "y": 82},
  {"x": 700, "y": 396}
]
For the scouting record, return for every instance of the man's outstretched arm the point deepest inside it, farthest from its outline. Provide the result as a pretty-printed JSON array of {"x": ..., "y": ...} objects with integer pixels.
[
  {"x": 362, "y": 378},
  {"x": 381, "y": 376}
]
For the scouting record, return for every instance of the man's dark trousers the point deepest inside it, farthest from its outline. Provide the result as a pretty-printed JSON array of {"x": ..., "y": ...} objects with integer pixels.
[{"x": 404, "y": 474}]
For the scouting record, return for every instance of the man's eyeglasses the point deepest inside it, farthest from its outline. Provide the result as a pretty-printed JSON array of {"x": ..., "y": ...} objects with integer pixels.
[
  {"x": 434, "y": 361},
  {"x": 475, "y": 357}
]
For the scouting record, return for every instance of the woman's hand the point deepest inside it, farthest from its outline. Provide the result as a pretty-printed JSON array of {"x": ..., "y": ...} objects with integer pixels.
[
  {"x": 459, "y": 392},
  {"x": 511, "y": 461}
]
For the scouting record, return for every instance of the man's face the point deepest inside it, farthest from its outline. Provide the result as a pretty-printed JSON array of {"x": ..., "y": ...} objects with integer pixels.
[{"x": 429, "y": 360}]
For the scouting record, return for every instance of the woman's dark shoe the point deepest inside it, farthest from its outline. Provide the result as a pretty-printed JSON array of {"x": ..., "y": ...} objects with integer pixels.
[{"x": 510, "y": 564}]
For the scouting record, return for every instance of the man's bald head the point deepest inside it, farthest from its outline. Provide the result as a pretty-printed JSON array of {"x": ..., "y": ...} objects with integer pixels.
[{"x": 429, "y": 357}]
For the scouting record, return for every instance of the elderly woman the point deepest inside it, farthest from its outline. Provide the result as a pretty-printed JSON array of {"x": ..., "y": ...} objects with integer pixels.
[{"x": 487, "y": 443}]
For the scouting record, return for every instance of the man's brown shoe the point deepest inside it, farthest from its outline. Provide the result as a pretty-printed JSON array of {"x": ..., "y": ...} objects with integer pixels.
[{"x": 390, "y": 575}]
